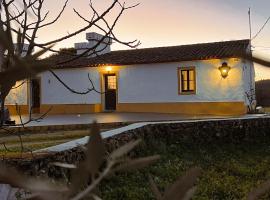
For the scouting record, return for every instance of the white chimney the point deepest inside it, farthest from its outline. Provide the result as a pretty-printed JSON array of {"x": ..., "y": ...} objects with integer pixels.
[
  {"x": 93, "y": 40},
  {"x": 24, "y": 50}
]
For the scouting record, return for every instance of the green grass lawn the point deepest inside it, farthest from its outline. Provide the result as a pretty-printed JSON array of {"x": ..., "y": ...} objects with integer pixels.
[
  {"x": 36, "y": 141},
  {"x": 230, "y": 171}
]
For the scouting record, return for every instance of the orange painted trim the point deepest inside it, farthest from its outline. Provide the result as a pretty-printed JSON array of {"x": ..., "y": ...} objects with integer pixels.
[
  {"x": 179, "y": 80},
  {"x": 71, "y": 108},
  {"x": 192, "y": 108},
  {"x": 24, "y": 109}
]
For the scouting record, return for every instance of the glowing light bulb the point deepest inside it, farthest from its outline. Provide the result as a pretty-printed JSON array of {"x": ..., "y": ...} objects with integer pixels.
[
  {"x": 108, "y": 68},
  {"x": 224, "y": 70}
]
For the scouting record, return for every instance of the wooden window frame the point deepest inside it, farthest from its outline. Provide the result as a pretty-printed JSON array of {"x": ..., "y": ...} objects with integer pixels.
[{"x": 180, "y": 92}]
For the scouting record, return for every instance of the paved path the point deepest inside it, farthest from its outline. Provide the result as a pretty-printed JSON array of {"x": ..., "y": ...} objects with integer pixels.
[{"x": 113, "y": 118}]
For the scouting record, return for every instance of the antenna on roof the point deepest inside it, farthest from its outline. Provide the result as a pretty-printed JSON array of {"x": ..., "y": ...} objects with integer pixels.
[{"x": 249, "y": 19}]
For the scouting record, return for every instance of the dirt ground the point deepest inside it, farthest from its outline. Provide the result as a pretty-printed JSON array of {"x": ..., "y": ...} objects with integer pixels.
[{"x": 29, "y": 142}]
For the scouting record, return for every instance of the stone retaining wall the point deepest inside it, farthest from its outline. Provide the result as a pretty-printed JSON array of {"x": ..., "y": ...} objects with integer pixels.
[{"x": 230, "y": 131}]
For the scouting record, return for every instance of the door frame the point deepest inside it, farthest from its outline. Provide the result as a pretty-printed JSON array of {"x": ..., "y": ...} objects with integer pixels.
[
  {"x": 103, "y": 97},
  {"x": 32, "y": 95}
]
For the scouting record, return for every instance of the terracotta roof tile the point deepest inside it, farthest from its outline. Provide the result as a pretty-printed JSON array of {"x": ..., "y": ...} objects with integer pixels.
[{"x": 202, "y": 51}]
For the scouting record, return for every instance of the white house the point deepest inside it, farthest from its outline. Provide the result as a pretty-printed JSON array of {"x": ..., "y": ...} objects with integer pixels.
[{"x": 207, "y": 78}]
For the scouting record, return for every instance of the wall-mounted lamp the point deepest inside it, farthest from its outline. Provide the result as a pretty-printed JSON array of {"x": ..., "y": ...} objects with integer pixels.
[
  {"x": 108, "y": 69},
  {"x": 224, "y": 70}
]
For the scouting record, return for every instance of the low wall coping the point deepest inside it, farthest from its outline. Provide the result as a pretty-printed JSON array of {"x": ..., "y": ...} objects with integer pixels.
[{"x": 107, "y": 134}]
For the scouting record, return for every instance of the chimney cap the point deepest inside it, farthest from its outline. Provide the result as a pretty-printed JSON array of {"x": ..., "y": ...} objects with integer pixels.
[{"x": 93, "y": 36}]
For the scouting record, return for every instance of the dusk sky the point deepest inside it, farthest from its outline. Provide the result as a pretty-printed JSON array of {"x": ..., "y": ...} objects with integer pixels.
[{"x": 175, "y": 22}]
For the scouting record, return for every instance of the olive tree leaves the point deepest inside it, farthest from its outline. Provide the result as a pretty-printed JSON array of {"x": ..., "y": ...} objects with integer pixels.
[
  {"x": 182, "y": 189},
  {"x": 97, "y": 165},
  {"x": 85, "y": 177},
  {"x": 17, "y": 67}
]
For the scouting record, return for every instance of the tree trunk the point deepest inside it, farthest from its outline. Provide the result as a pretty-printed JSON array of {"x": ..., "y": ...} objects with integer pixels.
[
  {"x": 5, "y": 89},
  {"x": 2, "y": 111},
  {"x": 2, "y": 114}
]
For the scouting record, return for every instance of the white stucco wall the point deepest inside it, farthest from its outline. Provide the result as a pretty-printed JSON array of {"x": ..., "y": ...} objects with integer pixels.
[
  {"x": 156, "y": 83},
  {"x": 53, "y": 92},
  {"x": 18, "y": 95},
  {"x": 153, "y": 83}
]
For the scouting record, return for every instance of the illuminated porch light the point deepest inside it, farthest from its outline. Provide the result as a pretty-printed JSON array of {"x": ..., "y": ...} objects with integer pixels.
[
  {"x": 108, "y": 69},
  {"x": 224, "y": 70}
]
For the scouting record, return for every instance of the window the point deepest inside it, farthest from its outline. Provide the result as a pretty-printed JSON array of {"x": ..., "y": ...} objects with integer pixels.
[
  {"x": 112, "y": 82},
  {"x": 187, "y": 80}
]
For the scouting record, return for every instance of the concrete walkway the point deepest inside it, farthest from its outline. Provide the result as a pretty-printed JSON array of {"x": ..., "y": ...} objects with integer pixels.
[{"x": 103, "y": 118}]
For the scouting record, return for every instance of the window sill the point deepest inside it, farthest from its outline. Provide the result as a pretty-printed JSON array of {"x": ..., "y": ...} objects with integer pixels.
[{"x": 187, "y": 93}]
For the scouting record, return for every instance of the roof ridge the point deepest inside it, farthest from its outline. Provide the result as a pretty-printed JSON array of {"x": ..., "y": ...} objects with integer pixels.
[
  {"x": 184, "y": 45},
  {"x": 189, "y": 52}
]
